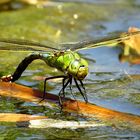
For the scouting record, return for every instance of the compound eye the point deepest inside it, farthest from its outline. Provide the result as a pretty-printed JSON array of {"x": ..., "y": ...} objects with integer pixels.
[{"x": 75, "y": 65}]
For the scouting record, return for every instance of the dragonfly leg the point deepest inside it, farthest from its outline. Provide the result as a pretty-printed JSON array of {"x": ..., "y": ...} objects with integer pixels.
[
  {"x": 45, "y": 81},
  {"x": 84, "y": 90},
  {"x": 72, "y": 93},
  {"x": 70, "y": 85},
  {"x": 82, "y": 93},
  {"x": 62, "y": 91},
  {"x": 63, "y": 84},
  {"x": 71, "y": 89}
]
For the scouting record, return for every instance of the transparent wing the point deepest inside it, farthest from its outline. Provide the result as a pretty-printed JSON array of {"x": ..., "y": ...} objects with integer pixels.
[
  {"x": 25, "y": 45},
  {"x": 111, "y": 40}
]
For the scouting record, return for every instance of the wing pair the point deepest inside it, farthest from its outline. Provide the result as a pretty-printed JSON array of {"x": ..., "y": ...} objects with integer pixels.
[{"x": 19, "y": 44}]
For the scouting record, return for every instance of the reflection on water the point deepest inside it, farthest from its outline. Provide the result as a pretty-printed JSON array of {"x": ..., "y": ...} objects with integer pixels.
[
  {"x": 132, "y": 59},
  {"x": 112, "y": 84}
]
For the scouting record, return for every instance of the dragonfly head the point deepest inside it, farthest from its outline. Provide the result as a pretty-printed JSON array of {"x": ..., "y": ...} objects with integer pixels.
[{"x": 79, "y": 69}]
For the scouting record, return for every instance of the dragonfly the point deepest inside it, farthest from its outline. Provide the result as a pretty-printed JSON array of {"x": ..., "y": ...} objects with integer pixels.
[{"x": 74, "y": 67}]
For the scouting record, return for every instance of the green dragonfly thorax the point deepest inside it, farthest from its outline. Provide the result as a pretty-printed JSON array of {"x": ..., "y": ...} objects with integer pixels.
[{"x": 68, "y": 62}]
